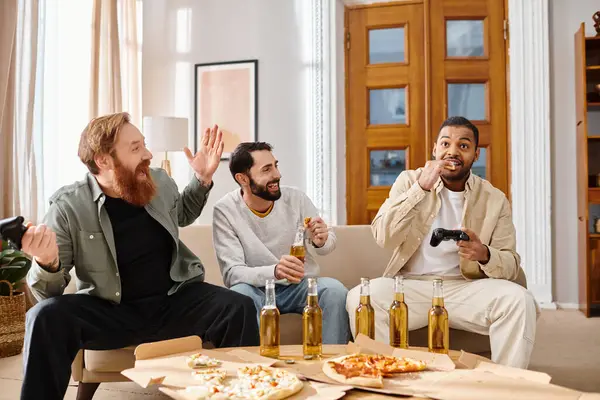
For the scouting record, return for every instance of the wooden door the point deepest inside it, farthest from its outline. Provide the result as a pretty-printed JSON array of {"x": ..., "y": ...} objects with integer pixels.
[
  {"x": 582, "y": 172},
  {"x": 385, "y": 113},
  {"x": 468, "y": 78}
]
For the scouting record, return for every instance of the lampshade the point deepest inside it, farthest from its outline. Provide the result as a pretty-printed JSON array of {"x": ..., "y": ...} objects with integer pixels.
[{"x": 165, "y": 133}]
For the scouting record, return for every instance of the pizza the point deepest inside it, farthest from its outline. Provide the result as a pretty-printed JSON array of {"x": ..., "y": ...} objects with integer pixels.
[
  {"x": 307, "y": 221},
  {"x": 369, "y": 369},
  {"x": 200, "y": 360},
  {"x": 255, "y": 382}
]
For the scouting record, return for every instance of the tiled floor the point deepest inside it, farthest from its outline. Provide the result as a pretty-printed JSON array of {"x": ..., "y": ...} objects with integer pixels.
[{"x": 567, "y": 347}]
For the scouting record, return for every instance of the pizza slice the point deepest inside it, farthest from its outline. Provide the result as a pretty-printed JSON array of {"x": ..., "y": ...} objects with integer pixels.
[
  {"x": 265, "y": 383},
  {"x": 369, "y": 370},
  {"x": 354, "y": 370},
  {"x": 389, "y": 365},
  {"x": 200, "y": 360}
]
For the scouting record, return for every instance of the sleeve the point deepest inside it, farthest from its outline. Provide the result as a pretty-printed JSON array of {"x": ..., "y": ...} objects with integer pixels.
[
  {"x": 396, "y": 213},
  {"x": 191, "y": 201},
  {"x": 504, "y": 262},
  {"x": 45, "y": 284},
  {"x": 230, "y": 256},
  {"x": 309, "y": 210}
]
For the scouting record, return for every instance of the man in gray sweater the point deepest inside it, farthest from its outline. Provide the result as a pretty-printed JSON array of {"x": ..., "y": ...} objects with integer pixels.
[{"x": 254, "y": 229}]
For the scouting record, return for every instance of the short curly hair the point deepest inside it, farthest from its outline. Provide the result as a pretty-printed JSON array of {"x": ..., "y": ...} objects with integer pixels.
[{"x": 99, "y": 137}]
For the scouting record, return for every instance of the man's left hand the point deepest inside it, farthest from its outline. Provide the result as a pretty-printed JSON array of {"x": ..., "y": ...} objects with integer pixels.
[
  {"x": 206, "y": 161},
  {"x": 473, "y": 249},
  {"x": 318, "y": 231}
]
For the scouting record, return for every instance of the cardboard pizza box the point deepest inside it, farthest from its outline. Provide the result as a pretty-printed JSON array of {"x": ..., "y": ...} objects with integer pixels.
[
  {"x": 164, "y": 363},
  {"x": 470, "y": 377}
]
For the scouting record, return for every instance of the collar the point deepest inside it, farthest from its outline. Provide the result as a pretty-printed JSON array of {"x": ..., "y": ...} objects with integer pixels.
[{"x": 94, "y": 187}]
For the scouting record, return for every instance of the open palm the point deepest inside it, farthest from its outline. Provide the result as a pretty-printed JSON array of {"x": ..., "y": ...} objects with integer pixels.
[{"x": 206, "y": 161}]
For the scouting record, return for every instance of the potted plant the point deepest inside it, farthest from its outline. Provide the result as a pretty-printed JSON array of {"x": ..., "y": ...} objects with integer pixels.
[{"x": 14, "y": 265}]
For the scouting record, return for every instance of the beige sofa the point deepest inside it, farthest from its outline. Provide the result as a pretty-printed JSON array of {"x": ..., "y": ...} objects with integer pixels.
[{"x": 357, "y": 255}]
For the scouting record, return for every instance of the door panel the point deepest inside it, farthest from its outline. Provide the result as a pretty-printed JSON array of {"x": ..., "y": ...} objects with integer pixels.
[{"x": 385, "y": 112}]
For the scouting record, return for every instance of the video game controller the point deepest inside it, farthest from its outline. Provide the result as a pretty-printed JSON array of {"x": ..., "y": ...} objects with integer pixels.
[
  {"x": 12, "y": 230},
  {"x": 440, "y": 234}
]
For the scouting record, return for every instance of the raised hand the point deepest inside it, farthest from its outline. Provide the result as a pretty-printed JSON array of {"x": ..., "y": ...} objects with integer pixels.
[
  {"x": 206, "y": 161},
  {"x": 318, "y": 231},
  {"x": 431, "y": 173}
]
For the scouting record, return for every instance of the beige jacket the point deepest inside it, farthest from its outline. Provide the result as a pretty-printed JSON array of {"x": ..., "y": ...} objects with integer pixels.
[{"x": 405, "y": 218}]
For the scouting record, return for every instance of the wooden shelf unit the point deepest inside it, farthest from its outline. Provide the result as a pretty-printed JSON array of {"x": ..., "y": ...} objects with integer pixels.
[{"x": 587, "y": 75}]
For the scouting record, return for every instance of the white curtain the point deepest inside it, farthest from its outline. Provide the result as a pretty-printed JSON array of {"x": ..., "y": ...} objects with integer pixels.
[
  {"x": 19, "y": 102},
  {"x": 81, "y": 84},
  {"x": 8, "y": 32},
  {"x": 115, "y": 66}
]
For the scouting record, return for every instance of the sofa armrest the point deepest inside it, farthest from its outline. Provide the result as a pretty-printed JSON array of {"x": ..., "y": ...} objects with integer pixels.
[{"x": 77, "y": 367}]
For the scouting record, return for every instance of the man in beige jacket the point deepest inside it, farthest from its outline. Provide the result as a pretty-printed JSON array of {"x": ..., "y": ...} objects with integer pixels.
[{"x": 483, "y": 282}]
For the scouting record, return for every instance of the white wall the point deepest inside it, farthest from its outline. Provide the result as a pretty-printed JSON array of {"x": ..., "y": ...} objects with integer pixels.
[
  {"x": 225, "y": 30},
  {"x": 565, "y": 18}
]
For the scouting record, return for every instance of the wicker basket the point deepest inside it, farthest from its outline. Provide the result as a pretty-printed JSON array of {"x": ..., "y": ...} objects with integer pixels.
[{"x": 12, "y": 322}]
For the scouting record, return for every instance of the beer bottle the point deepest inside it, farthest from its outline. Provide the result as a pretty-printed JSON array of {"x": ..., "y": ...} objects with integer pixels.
[
  {"x": 399, "y": 316},
  {"x": 298, "y": 250},
  {"x": 365, "y": 314},
  {"x": 312, "y": 323},
  {"x": 439, "y": 330},
  {"x": 269, "y": 323}
]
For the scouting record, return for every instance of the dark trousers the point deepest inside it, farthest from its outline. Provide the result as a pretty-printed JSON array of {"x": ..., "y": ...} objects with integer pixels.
[{"x": 57, "y": 328}]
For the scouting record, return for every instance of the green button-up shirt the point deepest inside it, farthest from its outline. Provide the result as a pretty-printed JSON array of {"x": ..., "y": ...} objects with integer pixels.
[{"x": 86, "y": 242}]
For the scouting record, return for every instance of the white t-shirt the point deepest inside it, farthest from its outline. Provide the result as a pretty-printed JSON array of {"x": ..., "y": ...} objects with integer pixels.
[{"x": 443, "y": 259}]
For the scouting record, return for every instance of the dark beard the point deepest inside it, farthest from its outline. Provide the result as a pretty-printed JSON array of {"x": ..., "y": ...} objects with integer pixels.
[
  {"x": 263, "y": 192},
  {"x": 130, "y": 188},
  {"x": 463, "y": 174}
]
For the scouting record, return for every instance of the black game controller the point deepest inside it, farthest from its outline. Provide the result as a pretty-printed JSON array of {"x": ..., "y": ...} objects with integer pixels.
[
  {"x": 440, "y": 234},
  {"x": 12, "y": 230}
]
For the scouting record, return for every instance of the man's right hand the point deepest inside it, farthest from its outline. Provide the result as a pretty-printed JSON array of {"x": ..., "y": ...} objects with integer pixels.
[
  {"x": 290, "y": 268},
  {"x": 431, "y": 173},
  {"x": 40, "y": 242}
]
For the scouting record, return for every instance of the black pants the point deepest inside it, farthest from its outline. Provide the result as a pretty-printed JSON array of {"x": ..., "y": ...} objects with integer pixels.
[{"x": 57, "y": 328}]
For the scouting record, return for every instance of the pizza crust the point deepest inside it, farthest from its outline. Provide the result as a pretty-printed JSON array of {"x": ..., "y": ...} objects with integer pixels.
[{"x": 329, "y": 370}]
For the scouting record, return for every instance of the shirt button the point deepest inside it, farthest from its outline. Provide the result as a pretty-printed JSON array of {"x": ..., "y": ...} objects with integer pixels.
[
  {"x": 117, "y": 275},
  {"x": 118, "y": 294},
  {"x": 91, "y": 236}
]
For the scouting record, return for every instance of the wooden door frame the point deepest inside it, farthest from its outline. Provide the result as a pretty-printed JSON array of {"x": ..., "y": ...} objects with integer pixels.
[{"x": 427, "y": 54}]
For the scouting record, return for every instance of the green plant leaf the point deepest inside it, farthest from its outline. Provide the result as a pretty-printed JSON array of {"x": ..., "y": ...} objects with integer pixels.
[{"x": 14, "y": 265}]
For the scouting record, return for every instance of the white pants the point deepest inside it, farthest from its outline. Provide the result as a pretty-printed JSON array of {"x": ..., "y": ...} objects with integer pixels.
[{"x": 504, "y": 310}]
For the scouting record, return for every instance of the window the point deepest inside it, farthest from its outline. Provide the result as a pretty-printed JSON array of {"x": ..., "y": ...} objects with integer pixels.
[{"x": 64, "y": 65}]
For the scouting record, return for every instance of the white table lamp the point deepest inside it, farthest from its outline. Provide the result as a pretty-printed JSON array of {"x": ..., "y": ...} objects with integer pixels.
[{"x": 165, "y": 134}]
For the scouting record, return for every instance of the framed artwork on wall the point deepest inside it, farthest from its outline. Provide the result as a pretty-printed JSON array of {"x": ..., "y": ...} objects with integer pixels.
[{"x": 226, "y": 94}]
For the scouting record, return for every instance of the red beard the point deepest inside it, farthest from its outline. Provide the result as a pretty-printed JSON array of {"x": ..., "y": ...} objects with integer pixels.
[{"x": 130, "y": 187}]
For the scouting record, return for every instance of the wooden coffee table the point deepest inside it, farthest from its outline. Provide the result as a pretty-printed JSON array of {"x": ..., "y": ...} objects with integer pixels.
[{"x": 294, "y": 352}]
